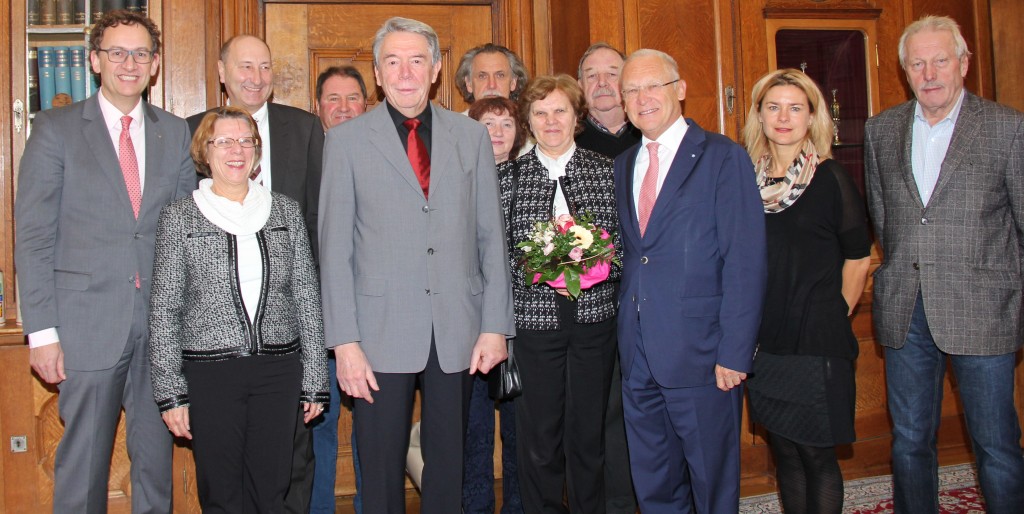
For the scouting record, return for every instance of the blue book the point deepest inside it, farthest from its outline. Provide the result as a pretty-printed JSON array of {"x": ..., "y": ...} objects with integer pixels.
[
  {"x": 61, "y": 76},
  {"x": 46, "y": 84},
  {"x": 77, "y": 73}
]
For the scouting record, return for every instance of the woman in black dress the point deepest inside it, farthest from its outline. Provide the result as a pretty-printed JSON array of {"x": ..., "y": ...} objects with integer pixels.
[{"x": 802, "y": 388}]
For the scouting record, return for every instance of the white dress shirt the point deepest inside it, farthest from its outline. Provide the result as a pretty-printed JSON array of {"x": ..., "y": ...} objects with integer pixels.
[
  {"x": 929, "y": 146},
  {"x": 556, "y": 170}
]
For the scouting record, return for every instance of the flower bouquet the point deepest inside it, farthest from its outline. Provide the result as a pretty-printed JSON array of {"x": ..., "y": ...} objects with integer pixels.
[{"x": 562, "y": 252}]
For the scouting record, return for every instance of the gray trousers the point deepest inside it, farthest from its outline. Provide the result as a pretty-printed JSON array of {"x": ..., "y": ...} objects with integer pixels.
[{"x": 90, "y": 404}]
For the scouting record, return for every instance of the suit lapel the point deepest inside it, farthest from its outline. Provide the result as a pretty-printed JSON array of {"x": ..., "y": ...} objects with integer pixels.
[
  {"x": 154, "y": 161},
  {"x": 389, "y": 145},
  {"x": 442, "y": 150},
  {"x": 964, "y": 134},
  {"x": 278, "y": 126},
  {"x": 906, "y": 160},
  {"x": 687, "y": 156},
  {"x": 96, "y": 133}
]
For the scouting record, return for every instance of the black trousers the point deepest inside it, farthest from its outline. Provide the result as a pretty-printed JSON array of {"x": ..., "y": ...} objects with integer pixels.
[
  {"x": 242, "y": 414},
  {"x": 382, "y": 436},
  {"x": 300, "y": 488},
  {"x": 566, "y": 376}
]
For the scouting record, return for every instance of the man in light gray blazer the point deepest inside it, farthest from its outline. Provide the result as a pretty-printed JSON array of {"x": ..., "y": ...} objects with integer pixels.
[
  {"x": 413, "y": 267},
  {"x": 93, "y": 179},
  {"x": 945, "y": 176}
]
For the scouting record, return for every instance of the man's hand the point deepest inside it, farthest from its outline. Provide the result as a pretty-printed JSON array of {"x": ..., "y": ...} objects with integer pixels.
[
  {"x": 177, "y": 422},
  {"x": 354, "y": 373},
  {"x": 727, "y": 378},
  {"x": 48, "y": 362},
  {"x": 488, "y": 352}
]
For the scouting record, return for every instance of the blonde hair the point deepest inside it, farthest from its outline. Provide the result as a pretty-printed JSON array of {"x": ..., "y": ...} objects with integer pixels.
[
  {"x": 199, "y": 148},
  {"x": 820, "y": 131}
]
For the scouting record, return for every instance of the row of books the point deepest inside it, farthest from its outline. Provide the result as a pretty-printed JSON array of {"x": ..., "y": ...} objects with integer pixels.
[
  {"x": 73, "y": 12},
  {"x": 58, "y": 76}
]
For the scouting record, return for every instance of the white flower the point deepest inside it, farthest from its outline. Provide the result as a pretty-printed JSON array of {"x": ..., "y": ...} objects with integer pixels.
[
  {"x": 549, "y": 248},
  {"x": 583, "y": 236},
  {"x": 527, "y": 249}
]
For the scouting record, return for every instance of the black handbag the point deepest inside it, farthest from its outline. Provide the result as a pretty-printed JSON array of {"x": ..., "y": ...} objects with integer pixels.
[{"x": 503, "y": 382}]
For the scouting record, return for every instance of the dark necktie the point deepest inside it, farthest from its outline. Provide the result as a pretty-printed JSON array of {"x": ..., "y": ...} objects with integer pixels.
[{"x": 418, "y": 157}]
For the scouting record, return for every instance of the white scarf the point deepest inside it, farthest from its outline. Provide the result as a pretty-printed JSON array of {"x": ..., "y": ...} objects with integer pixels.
[{"x": 240, "y": 219}]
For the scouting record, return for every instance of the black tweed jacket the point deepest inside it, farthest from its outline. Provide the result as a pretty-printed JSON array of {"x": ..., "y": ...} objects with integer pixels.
[
  {"x": 196, "y": 311},
  {"x": 588, "y": 187}
]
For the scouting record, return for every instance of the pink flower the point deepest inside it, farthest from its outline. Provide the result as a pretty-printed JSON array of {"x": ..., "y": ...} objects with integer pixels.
[
  {"x": 549, "y": 248},
  {"x": 605, "y": 234},
  {"x": 564, "y": 222},
  {"x": 576, "y": 253}
]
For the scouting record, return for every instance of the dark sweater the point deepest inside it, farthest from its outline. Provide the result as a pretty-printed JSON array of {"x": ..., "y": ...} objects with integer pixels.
[{"x": 597, "y": 140}]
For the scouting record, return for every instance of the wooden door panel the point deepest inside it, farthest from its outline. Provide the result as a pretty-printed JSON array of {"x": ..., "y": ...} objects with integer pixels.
[{"x": 307, "y": 38}]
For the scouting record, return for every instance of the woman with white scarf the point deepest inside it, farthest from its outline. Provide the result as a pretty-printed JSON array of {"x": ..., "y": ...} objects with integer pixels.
[
  {"x": 802, "y": 388},
  {"x": 236, "y": 331}
]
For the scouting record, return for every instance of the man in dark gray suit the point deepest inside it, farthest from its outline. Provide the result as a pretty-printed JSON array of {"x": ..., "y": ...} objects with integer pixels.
[
  {"x": 293, "y": 143},
  {"x": 945, "y": 176},
  {"x": 93, "y": 179},
  {"x": 415, "y": 283}
]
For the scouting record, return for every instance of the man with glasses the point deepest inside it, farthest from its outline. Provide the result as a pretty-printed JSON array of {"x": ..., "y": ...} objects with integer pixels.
[
  {"x": 293, "y": 145},
  {"x": 93, "y": 179},
  {"x": 693, "y": 277}
]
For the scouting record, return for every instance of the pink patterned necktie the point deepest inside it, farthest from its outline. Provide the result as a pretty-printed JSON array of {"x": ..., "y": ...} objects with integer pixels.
[
  {"x": 418, "y": 156},
  {"x": 130, "y": 165},
  {"x": 648, "y": 188},
  {"x": 130, "y": 170}
]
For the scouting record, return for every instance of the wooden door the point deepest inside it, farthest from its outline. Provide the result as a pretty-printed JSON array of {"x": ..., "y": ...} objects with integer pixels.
[{"x": 307, "y": 38}]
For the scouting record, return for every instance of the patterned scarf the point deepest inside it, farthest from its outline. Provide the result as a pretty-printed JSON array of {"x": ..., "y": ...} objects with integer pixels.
[{"x": 776, "y": 196}]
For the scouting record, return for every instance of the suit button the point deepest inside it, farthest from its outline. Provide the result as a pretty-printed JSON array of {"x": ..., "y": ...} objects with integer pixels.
[
  {"x": 430, "y": 251},
  {"x": 924, "y": 221},
  {"x": 426, "y": 208},
  {"x": 137, "y": 236},
  {"x": 916, "y": 266},
  {"x": 643, "y": 260},
  {"x": 428, "y": 291}
]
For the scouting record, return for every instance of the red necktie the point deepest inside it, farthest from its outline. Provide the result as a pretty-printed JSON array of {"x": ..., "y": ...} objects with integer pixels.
[
  {"x": 129, "y": 165},
  {"x": 130, "y": 170},
  {"x": 418, "y": 157},
  {"x": 648, "y": 188}
]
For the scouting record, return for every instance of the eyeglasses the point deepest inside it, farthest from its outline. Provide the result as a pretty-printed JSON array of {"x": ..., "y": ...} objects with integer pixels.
[
  {"x": 227, "y": 142},
  {"x": 119, "y": 55},
  {"x": 629, "y": 94}
]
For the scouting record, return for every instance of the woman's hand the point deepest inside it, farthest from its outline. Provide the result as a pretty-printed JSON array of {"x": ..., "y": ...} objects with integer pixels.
[
  {"x": 311, "y": 410},
  {"x": 177, "y": 422}
]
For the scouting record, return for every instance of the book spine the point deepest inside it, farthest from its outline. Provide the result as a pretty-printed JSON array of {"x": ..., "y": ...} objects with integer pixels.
[
  {"x": 92, "y": 83},
  {"x": 96, "y": 7},
  {"x": 65, "y": 12},
  {"x": 80, "y": 13},
  {"x": 32, "y": 12},
  {"x": 77, "y": 73},
  {"x": 33, "y": 79},
  {"x": 62, "y": 76},
  {"x": 136, "y": 6},
  {"x": 46, "y": 84},
  {"x": 113, "y": 5},
  {"x": 47, "y": 12}
]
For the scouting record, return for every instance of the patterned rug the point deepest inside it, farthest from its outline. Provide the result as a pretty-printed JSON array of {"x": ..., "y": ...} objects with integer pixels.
[{"x": 958, "y": 494}]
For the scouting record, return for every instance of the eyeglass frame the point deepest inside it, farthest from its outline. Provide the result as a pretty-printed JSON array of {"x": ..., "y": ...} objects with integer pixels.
[
  {"x": 129, "y": 53},
  {"x": 648, "y": 89},
  {"x": 255, "y": 142}
]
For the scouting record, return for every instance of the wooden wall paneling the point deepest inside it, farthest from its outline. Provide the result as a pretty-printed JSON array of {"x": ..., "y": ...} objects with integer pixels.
[
  {"x": 9, "y": 20},
  {"x": 607, "y": 22},
  {"x": 18, "y": 470},
  {"x": 542, "y": 38},
  {"x": 515, "y": 30},
  {"x": 570, "y": 34},
  {"x": 189, "y": 62},
  {"x": 1007, "y": 18}
]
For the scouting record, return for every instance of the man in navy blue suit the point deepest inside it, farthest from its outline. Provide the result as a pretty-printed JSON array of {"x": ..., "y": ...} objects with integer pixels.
[{"x": 693, "y": 281}]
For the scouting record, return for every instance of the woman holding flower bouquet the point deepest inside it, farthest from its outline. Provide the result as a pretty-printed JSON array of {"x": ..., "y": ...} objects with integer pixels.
[
  {"x": 802, "y": 387},
  {"x": 558, "y": 200}
]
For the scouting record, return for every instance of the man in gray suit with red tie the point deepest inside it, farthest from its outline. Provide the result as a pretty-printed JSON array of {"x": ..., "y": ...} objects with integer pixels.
[
  {"x": 93, "y": 179},
  {"x": 945, "y": 176},
  {"x": 413, "y": 268}
]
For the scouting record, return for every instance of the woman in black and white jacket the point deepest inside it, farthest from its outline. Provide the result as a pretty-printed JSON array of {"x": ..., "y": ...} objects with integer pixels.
[
  {"x": 236, "y": 331},
  {"x": 565, "y": 348}
]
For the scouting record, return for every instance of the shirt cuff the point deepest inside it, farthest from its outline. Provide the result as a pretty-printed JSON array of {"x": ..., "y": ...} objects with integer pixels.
[{"x": 43, "y": 337}]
